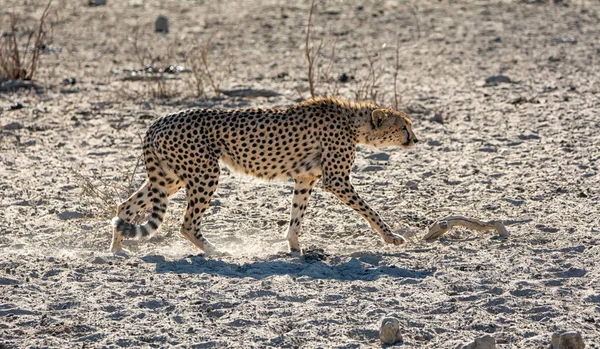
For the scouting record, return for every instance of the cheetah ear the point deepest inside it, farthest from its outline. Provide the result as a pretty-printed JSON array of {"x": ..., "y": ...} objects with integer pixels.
[{"x": 377, "y": 117}]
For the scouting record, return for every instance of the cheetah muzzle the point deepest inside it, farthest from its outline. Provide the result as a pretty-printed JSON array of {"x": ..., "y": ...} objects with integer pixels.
[{"x": 313, "y": 140}]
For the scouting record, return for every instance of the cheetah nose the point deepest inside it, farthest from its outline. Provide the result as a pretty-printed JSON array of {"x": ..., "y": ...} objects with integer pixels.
[{"x": 416, "y": 140}]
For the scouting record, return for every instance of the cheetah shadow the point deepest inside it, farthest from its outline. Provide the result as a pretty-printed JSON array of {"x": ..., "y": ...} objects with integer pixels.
[{"x": 360, "y": 268}]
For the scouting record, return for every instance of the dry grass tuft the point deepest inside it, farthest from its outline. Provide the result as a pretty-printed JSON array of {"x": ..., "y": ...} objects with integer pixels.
[
  {"x": 104, "y": 196},
  {"x": 205, "y": 72},
  {"x": 21, "y": 62}
]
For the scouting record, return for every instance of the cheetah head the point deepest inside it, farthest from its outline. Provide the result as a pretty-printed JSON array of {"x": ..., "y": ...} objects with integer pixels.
[{"x": 391, "y": 128}]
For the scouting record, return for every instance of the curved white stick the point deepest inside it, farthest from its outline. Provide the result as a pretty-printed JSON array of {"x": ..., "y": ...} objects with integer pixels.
[{"x": 443, "y": 225}]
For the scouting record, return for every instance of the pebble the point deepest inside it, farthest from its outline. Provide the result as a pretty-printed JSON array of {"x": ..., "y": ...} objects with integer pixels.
[
  {"x": 13, "y": 126},
  {"x": 412, "y": 185},
  {"x": 16, "y": 106},
  {"x": 437, "y": 117},
  {"x": 497, "y": 79},
  {"x": 8, "y": 281},
  {"x": 97, "y": 2},
  {"x": 567, "y": 340},
  {"x": 484, "y": 342},
  {"x": 372, "y": 168},
  {"x": 379, "y": 157},
  {"x": 67, "y": 215},
  {"x": 344, "y": 78},
  {"x": 161, "y": 25},
  {"x": 99, "y": 260},
  {"x": 389, "y": 333}
]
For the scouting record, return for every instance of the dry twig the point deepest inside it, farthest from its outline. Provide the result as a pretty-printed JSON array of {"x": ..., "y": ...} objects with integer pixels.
[{"x": 445, "y": 224}]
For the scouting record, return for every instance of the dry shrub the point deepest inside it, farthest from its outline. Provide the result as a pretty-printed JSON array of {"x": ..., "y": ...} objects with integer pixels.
[
  {"x": 311, "y": 52},
  {"x": 21, "y": 62},
  {"x": 206, "y": 72},
  {"x": 157, "y": 82},
  {"x": 203, "y": 72},
  {"x": 367, "y": 86},
  {"x": 104, "y": 196},
  {"x": 367, "y": 78}
]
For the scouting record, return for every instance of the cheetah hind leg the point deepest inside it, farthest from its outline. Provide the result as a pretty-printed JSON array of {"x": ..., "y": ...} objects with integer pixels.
[
  {"x": 137, "y": 202},
  {"x": 199, "y": 190}
]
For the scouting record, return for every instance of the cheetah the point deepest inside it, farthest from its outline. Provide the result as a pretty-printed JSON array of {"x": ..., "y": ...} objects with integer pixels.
[{"x": 315, "y": 139}]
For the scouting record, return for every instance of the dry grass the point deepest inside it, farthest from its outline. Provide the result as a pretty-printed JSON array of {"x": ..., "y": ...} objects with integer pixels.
[
  {"x": 21, "y": 62},
  {"x": 311, "y": 52},
  {"x": 367, "y": 79},
  {"x": 202, "y": 75},
  {"x": 104, "y": 196},
  {"x": 157, "y": 83},
  {"x": 206, "y": 73}
]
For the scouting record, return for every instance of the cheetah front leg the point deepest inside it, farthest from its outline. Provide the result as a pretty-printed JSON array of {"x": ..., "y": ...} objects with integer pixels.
[
  {"x": 302, "y": 189},
  {"x": 343, "y": 189}
]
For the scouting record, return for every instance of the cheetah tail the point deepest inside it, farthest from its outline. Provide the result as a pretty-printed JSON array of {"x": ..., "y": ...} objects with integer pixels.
[
  {"x": 132, "y": 231},
  {"x": 158, "y": 197}
]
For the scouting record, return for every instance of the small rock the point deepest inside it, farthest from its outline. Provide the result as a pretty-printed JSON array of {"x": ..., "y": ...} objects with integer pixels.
[
  {"x": 99, "y": 260},
  {"x": 546, "y": 229},
  {"x": 379, "y": 157},
  {"x": 567, "y": 340},
  {"x": 564, "y": 41},
  {"x": 161, "y": 25},
  {"x": 525, "y": 137},
  {"x": 389, "y": 333},
  {"x": 13, "y": 126},
  {"x": 67, "y": 215},
  {"x": 412, "y": 185},
  {"x": 497, "y": 79},
  {"x": 484, "y": 342},
  {"x": 16, "y": 106},
  {"x": 434, "y": 143},
  {"x": 69, "y": 81},
  {"x": 97, "y": 2},
  {"x": 8, "y": 281},
  {"x": 437, "y": 117},
  {"x": 345, "y": 78},
  {"x": 372, "y": 168}
]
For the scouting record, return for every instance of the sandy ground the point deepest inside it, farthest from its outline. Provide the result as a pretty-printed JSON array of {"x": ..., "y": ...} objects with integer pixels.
[{"x": 524, "y": 151}]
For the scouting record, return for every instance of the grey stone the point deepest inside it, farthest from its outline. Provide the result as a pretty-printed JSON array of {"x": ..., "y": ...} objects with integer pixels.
[
  {"x": 98, "y": 260},
  {"x": 97, "y": 2},
  {"x": 379, "y": 157},
  {"x": 372, "y": 168},
  {"x": 389, "y": 332},
  {"x": 567, "y": 340},
  {"x": 484, "y": 342},
  {"x": 497, "y": 79},
  {"x": 437, "y": 117},
  {"x": 161, "y": 25},
  {"x": 8, "y": 281},
  {"x": 412, "y": 185},
  {"x": 13, "y": 126},
  {"x": 67, "y": 215}
]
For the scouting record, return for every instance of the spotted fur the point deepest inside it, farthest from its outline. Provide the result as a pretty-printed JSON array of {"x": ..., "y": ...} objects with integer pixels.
[{"x": 313, "y": 140}]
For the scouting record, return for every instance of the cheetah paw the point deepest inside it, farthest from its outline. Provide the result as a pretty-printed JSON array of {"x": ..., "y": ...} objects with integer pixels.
[{"x": 394, "y": 239}]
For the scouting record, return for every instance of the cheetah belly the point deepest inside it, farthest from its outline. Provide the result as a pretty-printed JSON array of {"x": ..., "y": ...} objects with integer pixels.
[{"x": 308, "y": 165}]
